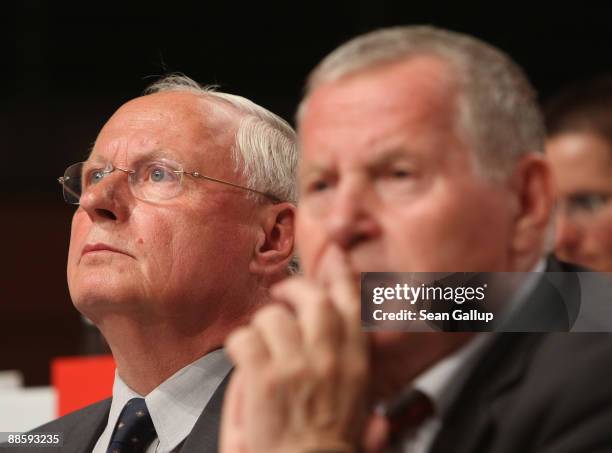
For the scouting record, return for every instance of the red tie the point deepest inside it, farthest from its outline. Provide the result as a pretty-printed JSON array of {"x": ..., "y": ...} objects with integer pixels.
[{"x": 408, "y": 414}]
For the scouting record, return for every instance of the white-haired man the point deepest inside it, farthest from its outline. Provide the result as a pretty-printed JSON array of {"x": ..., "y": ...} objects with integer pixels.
[
  {"x": 185, "y": 219},
  {"x": 420, "y": 152}
]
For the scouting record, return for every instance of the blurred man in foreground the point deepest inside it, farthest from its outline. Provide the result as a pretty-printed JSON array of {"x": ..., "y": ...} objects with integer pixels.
[
  {"x": 184, "y": 221},
  {"x": 579, "y": 147},
  {"x": 421, "y": 152}
]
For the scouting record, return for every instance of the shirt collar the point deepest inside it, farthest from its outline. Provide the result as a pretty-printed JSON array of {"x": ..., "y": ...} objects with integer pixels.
[
  {"x": 528, "y": 286},
  {"x": 177, "y": 403},
  {"x": 442, "y": 381}
]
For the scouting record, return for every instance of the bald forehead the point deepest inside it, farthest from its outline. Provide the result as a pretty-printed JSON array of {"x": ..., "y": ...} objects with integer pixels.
[
  {"x": 426, "y": 77},
  {"x": 189, "y": 127},
  {"x": 416, "y": 97},
  {"x": 188, "y": 108}
]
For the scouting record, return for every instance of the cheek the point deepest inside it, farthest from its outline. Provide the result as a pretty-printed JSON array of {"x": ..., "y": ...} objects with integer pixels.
[
  {"x": 446, "y": 236},
  {"x": 210, "y": 248},
  {"x": 310, "y": 238},
  {"x": 419, "y": 240},
  {"x": 78, "y": 236},
  {"x": 161, "y": 247},
  {"x": 424, "y": 223},
  {"x": 602, "y": 235}
]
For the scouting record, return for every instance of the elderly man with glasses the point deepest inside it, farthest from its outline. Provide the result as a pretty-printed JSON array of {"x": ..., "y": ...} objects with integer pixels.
[{"x": 184, "y": 220}]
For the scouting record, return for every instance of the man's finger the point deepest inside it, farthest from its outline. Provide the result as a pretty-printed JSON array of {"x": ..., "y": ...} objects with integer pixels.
[
  {"x": 279, "y": 329},
  {"x": 343, "y": 288},
  {"x": 246, "y": 348},
  {"x": 232, "y": 427},
  {"x": 320, "y": 323},
  {"x": 376, "y": 434}
]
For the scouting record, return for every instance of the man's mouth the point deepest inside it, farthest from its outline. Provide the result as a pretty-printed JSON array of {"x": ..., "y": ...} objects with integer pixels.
[{"x": 101, "y": 247}]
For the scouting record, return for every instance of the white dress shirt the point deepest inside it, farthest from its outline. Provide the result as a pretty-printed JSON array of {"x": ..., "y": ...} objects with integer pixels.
[
  {"x": 175, "y": 405},
  {"x": 441, "y": 383}
]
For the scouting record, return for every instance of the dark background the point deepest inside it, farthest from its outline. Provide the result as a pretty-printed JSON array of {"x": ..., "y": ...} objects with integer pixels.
[{"x": 67, "y": 66}]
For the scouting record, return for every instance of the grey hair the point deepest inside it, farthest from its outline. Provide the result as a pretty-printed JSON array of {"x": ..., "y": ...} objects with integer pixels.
[
  {"x": 498, "y": 108},
  {"x": 265, "y": 149}
]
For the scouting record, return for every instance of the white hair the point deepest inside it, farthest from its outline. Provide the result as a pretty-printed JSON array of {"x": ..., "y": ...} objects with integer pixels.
[
  {"x": 265, "y": 147},
  {"x": 498, "y": 108}
]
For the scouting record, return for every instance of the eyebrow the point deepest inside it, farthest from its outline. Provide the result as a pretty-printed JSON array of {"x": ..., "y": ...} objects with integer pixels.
[
  {"x": 392, "y": 154},
  {"x": 380, "y": 160},
  {"x": 145, "y": 156},
  {"x": 315, "y": 169}
]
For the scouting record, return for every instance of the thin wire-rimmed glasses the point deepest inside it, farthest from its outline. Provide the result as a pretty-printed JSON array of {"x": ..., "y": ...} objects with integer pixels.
[{"x": 149, "y": 181}]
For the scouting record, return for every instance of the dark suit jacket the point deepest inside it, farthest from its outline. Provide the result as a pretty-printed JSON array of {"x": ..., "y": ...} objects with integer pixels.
[
  {"x": 81, "y": 429},
  {"x": 533, "y": 392},
  {"x": 552, "y": 306},
  {"x": 537, "y": 392}
]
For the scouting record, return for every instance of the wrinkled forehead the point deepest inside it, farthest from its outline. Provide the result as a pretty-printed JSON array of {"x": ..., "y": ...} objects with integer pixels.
[
  {"x": 187, "y": 128},
  {"x": 413, "y": 102}
]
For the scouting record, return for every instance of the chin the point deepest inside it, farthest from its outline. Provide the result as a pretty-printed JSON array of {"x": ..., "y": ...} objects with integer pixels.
[
  {"x": 93, "y": 296},
  {"x": 90, "y": 305}
]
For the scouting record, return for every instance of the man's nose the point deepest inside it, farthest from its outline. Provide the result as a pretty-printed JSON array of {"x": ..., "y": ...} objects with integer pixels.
[
  {"x": 351, "y": 219},
  {"x": 108, "y": 200},
  {"x": 568, "y": 235}
]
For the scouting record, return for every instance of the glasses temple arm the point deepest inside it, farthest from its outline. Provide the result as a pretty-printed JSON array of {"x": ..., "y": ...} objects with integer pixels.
[{"x": 195, "y": 174}]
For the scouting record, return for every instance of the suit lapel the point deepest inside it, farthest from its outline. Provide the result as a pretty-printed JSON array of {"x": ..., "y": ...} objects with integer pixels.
[
  {"x": 82, "y": 436},
  {"x": 204, "y": 437},
  {"x": 470, "y": 424}
]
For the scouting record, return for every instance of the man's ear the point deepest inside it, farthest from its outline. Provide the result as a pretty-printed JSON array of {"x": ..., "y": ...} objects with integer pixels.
[
  {"x": 532, "y": 183},
  {"x": 274, "y": 247}
]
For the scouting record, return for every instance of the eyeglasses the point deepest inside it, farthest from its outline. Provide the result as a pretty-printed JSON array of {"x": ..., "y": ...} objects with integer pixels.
[{"x": 148, "y": 181}]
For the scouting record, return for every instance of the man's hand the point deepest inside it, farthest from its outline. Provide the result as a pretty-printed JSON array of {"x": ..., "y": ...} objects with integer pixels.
[{"x": 302, "y": 370}]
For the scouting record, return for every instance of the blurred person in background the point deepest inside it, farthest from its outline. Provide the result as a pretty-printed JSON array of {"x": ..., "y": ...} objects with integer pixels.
[{"x": 579, "y": 148}]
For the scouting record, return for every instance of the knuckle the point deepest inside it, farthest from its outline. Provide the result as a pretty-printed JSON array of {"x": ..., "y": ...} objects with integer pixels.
[
  {"x": 295, "y": 369},
  {"x": 357, "y": 369},
  {"x": 266, "y": 382},
  {"x": 270, "y": 316},
  {"x": 238, "y": 338},
  {"x": 281, "y": 376},
  {"x": 327, "y": 364}
]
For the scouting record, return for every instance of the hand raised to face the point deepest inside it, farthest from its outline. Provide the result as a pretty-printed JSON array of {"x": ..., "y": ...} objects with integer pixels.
[{"x": 301, "y": 369}]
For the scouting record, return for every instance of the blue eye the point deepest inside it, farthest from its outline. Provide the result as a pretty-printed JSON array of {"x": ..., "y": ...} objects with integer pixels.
[
  {"x": 157, "y": 173},
  {"x": 95, "y": 176}
]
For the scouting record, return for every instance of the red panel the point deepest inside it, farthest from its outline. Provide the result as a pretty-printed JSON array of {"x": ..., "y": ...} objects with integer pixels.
[{"x": 81, "y": 381}]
